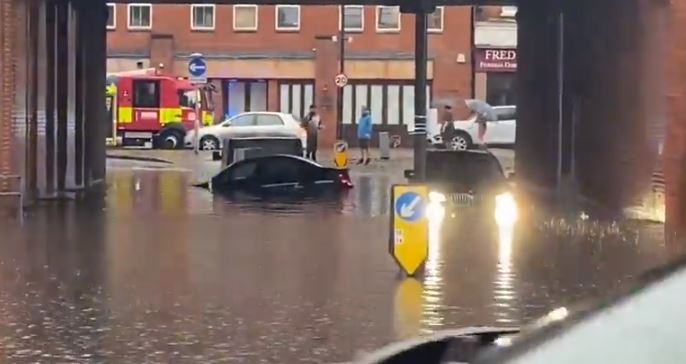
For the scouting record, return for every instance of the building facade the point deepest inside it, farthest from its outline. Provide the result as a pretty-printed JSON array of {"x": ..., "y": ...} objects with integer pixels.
[
  {"x": 495, "y": 54},
  {"x": 286, "y": 57}
]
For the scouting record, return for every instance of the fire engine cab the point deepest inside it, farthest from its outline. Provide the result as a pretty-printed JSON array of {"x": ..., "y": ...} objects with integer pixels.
[{"x": 152, "y": 110}]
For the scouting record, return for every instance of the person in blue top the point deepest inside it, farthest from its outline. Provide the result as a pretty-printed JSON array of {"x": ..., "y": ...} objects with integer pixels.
[{"x": 364, "y": 135}]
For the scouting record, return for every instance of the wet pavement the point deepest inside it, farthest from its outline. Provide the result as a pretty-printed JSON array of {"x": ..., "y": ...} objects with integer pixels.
[{"x": 163, "y": 272}]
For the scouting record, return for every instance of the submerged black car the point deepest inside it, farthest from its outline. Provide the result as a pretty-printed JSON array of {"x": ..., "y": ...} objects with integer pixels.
[{"x": 279, "y": 174}]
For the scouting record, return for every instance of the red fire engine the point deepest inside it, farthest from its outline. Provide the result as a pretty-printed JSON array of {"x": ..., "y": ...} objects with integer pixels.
[{"x": 154, "y": 110}]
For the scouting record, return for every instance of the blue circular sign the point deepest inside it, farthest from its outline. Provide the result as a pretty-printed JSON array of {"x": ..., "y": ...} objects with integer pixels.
[
  {"x": 197, "y": 67},
  {"x": 410, "y": 206}
]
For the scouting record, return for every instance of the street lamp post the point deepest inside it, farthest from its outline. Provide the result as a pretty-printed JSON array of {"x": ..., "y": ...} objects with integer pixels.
[
  {"x": 420, "y": 102},
  {"x": 341, "y": 44}
]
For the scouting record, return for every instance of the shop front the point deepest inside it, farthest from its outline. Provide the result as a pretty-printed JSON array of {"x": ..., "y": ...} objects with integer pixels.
[{"x": 494, "y": 75}]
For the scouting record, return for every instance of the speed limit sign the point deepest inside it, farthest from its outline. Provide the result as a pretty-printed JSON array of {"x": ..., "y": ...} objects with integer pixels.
[{"x": 341, "y": 80}]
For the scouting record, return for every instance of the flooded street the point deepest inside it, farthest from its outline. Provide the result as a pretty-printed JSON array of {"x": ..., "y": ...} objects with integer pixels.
[{"x": 163, "y": 272}]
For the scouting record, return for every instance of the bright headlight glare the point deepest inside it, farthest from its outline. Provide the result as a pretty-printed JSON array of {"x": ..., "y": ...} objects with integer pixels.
[
  {"x": 505, "y": 208},
  {"x": 436, "y": 197}
]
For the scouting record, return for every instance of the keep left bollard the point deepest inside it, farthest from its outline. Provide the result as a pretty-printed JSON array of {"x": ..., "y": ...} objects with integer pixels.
[{"x": 409, "y": 235}]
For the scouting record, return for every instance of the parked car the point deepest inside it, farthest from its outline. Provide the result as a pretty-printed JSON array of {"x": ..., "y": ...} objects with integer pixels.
[
  {"x": 278, "y": 174},
  {"x": 246, "y": 125},
  {"x": 498, "y": 132}
]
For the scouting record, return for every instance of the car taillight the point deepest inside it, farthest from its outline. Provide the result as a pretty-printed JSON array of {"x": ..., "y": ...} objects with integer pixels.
[{"x": 345, "y": 178}]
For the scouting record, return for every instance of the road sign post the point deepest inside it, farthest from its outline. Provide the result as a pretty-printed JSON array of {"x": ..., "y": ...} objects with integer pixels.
[
  {"x": 340, "y": 154},
  {"x": 197, "y": 68},
  {"x": 409, "y": 235}
]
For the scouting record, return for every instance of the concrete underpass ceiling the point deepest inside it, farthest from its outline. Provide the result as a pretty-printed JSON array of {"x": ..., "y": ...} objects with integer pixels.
[{"x": 323, "y": 2}]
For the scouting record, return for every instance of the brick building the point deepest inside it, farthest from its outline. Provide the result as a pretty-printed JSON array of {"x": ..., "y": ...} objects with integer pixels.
[{"x": 283, "y": 58}]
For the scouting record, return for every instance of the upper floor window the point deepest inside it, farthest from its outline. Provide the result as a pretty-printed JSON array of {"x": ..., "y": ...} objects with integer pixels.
[
  {"x": 202, "y": 17},
  {"x": 140, "y": 16},
  {"x": 288, "y": 17},
  {"x": 111, "y": 16},
  {"x": 353, "y": 18},
  {"x": 387, "y": 19},
  {"x": 508, "y": 11},
  {"x": 245, "y": 17},
  {"x": 435, "y": 20}
]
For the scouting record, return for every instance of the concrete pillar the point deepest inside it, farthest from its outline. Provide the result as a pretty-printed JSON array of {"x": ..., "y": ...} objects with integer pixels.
[
  {"x": 50, "y": 98},
  {"x": 326, "y": 94},
  {"x": 62, "y": 93},
  {"x": 7, "y": 39},
  {"x": 537, "y": 113},
  {"x": 614, "y": 161},
  {"x": 675, "y": 149},
  {"x": 95, "y": 17}
]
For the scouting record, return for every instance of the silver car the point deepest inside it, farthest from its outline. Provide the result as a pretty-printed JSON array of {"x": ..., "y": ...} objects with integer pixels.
[{"x": 247, "y": 125}]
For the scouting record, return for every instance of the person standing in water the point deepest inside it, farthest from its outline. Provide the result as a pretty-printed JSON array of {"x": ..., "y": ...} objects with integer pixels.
[
  {"x": 364, "y": 135},
  {"x": 312, "y": 123}
]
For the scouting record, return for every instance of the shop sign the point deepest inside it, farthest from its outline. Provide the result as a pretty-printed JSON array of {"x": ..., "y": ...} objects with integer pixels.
[{"x": 495, "y": 60}]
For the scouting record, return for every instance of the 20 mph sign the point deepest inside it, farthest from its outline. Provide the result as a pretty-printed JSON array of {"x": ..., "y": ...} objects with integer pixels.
[{"x": 341, "y": 80}]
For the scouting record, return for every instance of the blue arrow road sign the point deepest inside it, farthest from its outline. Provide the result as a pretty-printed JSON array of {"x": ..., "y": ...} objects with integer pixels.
[
  {"x": 410, "y": 206},
  {"x": 197, "y": 67}
]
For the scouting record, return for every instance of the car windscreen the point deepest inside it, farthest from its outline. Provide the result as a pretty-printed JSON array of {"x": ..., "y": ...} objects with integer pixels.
[{"x": 472, "y": 170}]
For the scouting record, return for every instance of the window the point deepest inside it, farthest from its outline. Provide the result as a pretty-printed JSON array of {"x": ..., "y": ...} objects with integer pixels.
[
  {"x": 268, "y": 120},
  {"x": 280, "y": 170},
  {"x": 354, "y": 18},
  {"x": 243, "y": 120},
  {"x": 387, "y": 19},
  {"x": 500, "y": 88},
  {"x": 245, "y": 17},
  {"x": 435, "y": 20},
  {"x": 295, "y": 98},
  {"x": 202, "y": 17},
  {"x": 288, "y": 17},
  {"x": 111, "y": 16},
  {"x": 243, "y": 171},
  {"x": 508, "y": 11},
  {"x": 188, "y": 98},
  {"x": 241, "y": 96},
  {"x": 146, "y": 94},
  {"x": 389, "y": 103},
  {"x": 140, "y": 16}
]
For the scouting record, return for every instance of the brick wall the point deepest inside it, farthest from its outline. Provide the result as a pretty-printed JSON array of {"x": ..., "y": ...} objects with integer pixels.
[{"x": 452, "y": 80}]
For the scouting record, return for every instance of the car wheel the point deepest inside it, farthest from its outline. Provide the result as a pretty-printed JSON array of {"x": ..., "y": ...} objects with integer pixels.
[
  {"x": 209, "y": 143},
  {"x": 460, "y": 141},
  {"x": 171, "y": 139}
]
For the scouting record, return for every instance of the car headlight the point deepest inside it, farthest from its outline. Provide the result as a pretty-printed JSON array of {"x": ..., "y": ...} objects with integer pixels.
[
  {"x": 505, "y": 208},
  {"x": 436, "y": 197}
]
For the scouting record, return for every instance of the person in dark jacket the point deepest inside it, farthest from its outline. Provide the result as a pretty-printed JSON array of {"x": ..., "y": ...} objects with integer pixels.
[
  {"x": 448, "y": 129},
  {"x": 312, "y": 124}
]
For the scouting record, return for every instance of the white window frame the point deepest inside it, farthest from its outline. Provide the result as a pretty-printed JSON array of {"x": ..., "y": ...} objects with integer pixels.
[
  {"x": 439, "y": 30},
  {"x": 128, "y": 16},
  {"x": 357, "y": 30},
  {"x": 257, "y": 18},
  {"x": 214, "y": 17},
  {"x": 114, "y": 16},
  {"x": 508, "y": 11},
  {"x": 389, "y": 30},
  {"x": 276, "y": 18}
]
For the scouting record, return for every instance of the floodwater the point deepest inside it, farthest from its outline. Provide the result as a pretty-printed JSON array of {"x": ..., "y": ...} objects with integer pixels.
[{"x": 162, "y": 272}]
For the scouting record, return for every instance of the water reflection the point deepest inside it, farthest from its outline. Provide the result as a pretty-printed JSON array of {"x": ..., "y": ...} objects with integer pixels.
[
  {"x": 168, "y": 273},
  {"x": 409, "y": 310}
]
